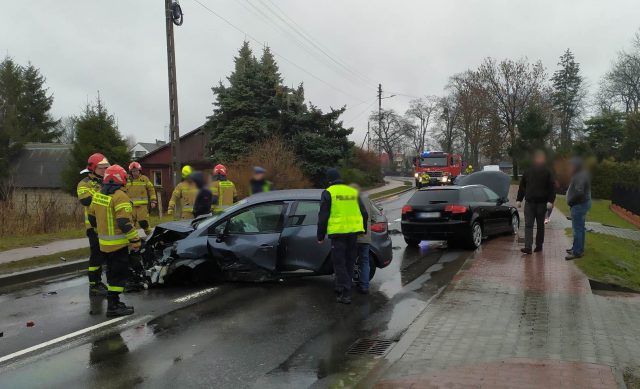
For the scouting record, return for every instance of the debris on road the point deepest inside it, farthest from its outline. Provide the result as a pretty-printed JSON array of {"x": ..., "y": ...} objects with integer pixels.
[
  {"x": 30, "y": 323},
  {"x": 63, "y": 259},
  {"x": 1, "y": 334}
]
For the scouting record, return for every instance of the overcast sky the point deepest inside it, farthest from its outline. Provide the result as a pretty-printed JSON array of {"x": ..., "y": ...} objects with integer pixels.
[{"x": 118, "y": 47}]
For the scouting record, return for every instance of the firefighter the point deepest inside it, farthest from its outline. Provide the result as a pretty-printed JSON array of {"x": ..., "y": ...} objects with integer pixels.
[
  {"x": 186, "y": 192},
  {"x": 468, "y": 170},
  {"x": 111, "y": 214},
  {"x": 342, "y": 217},
  {"x": 142, "y": 194},
  {"x": 224, "y": 191},
  {"x": 425, "y": 179},
  {"x": 258, "y": 182},
  {"x": 87, "y": 187}
]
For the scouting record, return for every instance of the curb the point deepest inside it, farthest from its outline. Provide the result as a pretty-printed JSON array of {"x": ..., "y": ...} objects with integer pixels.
[
  {"x": 20, "y": 277},
  {"x": 386, "y": 197}
]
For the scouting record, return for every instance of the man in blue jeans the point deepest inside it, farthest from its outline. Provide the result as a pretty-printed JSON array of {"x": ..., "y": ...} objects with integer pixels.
[
  {"x": 579, "y": 199},
  {"x": 364, "y": 241}
]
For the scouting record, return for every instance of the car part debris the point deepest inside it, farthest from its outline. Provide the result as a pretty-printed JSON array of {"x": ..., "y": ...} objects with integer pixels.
[{"x": 30, "y": 323}]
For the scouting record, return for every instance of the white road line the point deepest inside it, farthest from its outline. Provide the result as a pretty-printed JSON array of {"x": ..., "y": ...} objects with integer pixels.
[
  {"x": 194, "y": 295},
  {"x": 62, "y": 338}
]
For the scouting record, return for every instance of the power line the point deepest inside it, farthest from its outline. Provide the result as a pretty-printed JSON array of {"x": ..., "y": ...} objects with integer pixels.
[
  {"x": 275, "y": 53},
  {"x": 360, "y": 113}
]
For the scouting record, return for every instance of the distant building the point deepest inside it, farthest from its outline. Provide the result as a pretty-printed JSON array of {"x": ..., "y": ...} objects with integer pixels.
[
  {"x": 37, "y": 174},
  {"x": 142, "y": 148},
  {"x": 157, "y": 163}
]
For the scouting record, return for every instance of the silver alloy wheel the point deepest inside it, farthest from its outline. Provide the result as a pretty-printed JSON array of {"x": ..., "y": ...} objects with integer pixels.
[
  {"x": 477, "y": 235},
  {"x": 515, "y": 223}
]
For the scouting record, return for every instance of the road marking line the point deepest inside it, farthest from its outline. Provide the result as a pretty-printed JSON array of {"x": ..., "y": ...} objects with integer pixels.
[
  {"x": 61, "y": 338},
  {"x": 194, "y": 295}
]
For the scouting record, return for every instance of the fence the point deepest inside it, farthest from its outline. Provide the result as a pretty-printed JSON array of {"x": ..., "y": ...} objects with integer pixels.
[{"x": 626, "y": 197}]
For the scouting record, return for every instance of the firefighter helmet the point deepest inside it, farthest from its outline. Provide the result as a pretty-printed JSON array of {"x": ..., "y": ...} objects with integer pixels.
[
  {"x": 95, "y": 160},
  {"x": 220, "y": 169},
  {"x": 115, "y": 175},
  {"x": 186, "y": 171},
  {"x": 135, "y": 166}
]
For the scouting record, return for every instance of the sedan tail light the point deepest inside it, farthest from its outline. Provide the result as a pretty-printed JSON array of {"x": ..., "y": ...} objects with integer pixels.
[
  {"x": 379, "y": 227},
  {"x": 455, "y": 208},
  {"x": 406, "y": 209}
]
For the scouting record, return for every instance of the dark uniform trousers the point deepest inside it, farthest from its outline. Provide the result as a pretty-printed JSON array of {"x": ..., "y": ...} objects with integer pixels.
[
  {"x": 534, "y": 212},
  {"x": 96, "y": 258},
  {"x": 344, "y": 251},
  {"x": 117, "y": 268}
]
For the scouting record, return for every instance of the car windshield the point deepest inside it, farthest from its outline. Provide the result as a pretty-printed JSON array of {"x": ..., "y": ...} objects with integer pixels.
[
  {"x": 207, "y": 222},
  {"x": 433, "y": 161},
  {"x": 434, "y": 196}
]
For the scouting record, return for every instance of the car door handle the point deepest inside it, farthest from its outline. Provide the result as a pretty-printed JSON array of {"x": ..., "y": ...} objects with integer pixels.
[{"x": 265, "y": 247}]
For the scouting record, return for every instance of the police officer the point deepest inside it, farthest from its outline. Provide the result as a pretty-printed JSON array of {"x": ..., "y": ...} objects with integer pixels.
[
  {"x": 111, "y": 214},
  {"x": 224, "y": 191},
  {"x": 258, "y": 182},
  {"x": 87, "y": 187},
  {"x": 186, "y": 193},
  {"x": 342, "y": 217},
  {"x": 142, "y": 194}
]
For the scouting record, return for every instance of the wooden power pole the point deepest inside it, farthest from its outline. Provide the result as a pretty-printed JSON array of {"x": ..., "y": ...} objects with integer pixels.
[{"x": 173, "y": 14}]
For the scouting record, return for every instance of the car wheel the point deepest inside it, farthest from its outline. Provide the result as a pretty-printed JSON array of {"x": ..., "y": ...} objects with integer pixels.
[
  {"x": 515, "y": 224},
  {"x": 412, "y": 242},
  {"x": 475, "y": 236}
]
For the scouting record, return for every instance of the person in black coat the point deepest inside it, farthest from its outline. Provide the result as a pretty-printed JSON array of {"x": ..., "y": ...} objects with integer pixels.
[{"x": 204, "y": 198}]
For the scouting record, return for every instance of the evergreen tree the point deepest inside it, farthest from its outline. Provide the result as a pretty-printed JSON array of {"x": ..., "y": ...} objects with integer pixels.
[
  {"x": 96, "y": 132},
  {"x": 534, "y": 128},
  {"x": 567, "y": 96},
  {"x": 38, "y": 124},
  {"x": 631, "y": 142},
  {"x": 605, "y": 133}
]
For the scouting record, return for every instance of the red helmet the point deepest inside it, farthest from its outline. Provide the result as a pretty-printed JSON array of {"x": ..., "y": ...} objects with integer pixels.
[
  {"x": 220, "y": 169},
  {"x": 95, "y": 160},
  {"x": 115, "y": 175},
  {"x": 135, "y": 166}
]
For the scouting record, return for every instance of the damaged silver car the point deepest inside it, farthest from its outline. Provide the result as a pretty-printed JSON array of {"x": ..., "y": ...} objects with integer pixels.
[{"x": 268, "y": 236}]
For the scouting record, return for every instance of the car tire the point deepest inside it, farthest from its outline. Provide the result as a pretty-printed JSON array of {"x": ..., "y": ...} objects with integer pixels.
[
  {"x": 412, "y": 242},
  {"x": 515, "y": 224},
  {"x": 474, "y": 237}
]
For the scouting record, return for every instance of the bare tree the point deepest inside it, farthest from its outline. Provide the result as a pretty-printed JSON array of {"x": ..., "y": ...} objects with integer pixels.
[
  {"x": 446, "y": 134},
  {"x": 620, "y": 87},
  {"x": 66, "y": 127},
  {"x": 389, "y": 135},
  {"x": 421, "y": 112},
  {"x": 511, "y": 87}
]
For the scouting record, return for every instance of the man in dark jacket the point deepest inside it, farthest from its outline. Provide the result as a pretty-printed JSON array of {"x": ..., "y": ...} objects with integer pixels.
[
  {"x": 579, "y": 199},
  {"x": 537, "y": 188},
  {"x": 204, "y": 198},
  {"x": 259, "y": 182},
  {"x": 343, "y": 217}
]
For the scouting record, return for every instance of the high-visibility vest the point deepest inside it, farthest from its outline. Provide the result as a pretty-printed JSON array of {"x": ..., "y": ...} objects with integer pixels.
[
  {"x": 87, "y": 187},
  {"x": 226, "y": 191},
  {"x": 266, "y": 187},
  {"x": 345, "y": 216},
  {"x": 107, "y": 209},
  {"x": 187, "y": 193},
  {"x": 140, "y": 190}
]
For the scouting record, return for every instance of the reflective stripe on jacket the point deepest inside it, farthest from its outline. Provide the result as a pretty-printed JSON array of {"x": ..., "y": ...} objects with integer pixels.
[
  {"x": 225, "y": 191},
  {"x": 86, "y": 188},
  {"x": 140, "y": 190},
  {"x": 345, "y": 216},
  {"x": 185, "y": 192},
  {"x": 107, "y": 210}
]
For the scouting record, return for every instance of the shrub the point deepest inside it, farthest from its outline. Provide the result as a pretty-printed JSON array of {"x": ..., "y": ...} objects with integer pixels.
[
  {"x": 363, "y": 168},
  {"x": 277, "y": 158}
]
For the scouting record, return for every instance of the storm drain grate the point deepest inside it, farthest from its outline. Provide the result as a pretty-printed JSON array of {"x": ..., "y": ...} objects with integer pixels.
[{"x": 375, "y": 347}]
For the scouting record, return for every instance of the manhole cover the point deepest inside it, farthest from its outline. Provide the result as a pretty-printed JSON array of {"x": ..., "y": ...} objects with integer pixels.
[{"x": 375, "y": 347}]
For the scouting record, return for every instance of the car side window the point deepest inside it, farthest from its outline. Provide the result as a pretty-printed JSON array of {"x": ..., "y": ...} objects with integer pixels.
[
  {"x": 479, "y": 195},
  {"x": 260, "y": 219},
  {"x": 306, "y": 214},
  {"x": 491, "y": 195}
]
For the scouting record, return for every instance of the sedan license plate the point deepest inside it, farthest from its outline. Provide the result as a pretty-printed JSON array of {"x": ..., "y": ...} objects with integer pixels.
[{"x": 428, "y": 215}]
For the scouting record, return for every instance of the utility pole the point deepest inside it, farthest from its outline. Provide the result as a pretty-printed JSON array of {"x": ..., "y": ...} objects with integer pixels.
[
  {"x": 379, "y": 118},
  {"x": 173, "y": 15}
]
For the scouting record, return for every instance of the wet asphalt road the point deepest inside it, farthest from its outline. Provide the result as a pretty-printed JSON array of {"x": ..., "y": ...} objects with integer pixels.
[{"x": 283, "y": 334}]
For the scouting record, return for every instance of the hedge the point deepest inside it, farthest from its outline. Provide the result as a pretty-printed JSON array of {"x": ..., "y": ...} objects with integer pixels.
[{"x": 608, "y": 172}]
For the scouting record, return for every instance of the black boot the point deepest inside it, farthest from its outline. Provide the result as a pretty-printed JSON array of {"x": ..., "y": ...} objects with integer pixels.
[
  {"x": 345, "y": 297},
  {"x": 117, "y": 308},
  {"x": 98, "y": 289}
]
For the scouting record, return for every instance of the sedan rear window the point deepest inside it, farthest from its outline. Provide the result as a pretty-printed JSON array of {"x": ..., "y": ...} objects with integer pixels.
[{"x": 434, "y": 196}]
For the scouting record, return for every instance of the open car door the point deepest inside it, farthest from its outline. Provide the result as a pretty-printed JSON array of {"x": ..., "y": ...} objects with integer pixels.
[{"x": 249, "y": 239}]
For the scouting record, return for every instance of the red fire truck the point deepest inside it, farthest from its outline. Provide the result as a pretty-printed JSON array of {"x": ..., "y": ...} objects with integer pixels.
[{"x": 442, "y": 168}]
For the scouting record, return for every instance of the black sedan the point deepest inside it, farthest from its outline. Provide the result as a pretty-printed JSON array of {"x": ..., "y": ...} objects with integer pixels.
[
  {"x": 460, "y": 215},
  {"x": 268, "y": 236}
]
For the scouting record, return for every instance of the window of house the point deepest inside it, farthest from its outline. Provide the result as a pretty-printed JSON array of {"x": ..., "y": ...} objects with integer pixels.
[
  {"x": 156, "y": 177},
  {"x": 139, "y": 154}
]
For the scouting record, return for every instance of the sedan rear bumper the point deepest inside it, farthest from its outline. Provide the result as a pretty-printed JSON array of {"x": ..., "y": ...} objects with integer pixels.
[{"x": 436, "y": 230}]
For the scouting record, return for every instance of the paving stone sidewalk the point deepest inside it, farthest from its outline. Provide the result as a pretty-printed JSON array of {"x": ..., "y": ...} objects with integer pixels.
[
  {"x": 603, "y": 229},
  {"x": 515, "y": 321}
]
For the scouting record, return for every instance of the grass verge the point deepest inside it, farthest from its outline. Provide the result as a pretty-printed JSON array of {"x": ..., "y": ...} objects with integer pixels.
[
  {"x": 16, "y": 241},
  {"x": 389, "y": 192},
  {"x": 43, "y": 260},
  {"x": 611, "y": 259},
  {"x": 599, "y": 213}
]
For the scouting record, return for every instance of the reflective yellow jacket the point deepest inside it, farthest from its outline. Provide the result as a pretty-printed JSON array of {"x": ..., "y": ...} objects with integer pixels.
[
  {"x": 113, "y": 220},
  {"x": 140, "y": 190},
  {"x": 185, "y": 192},
  {"x": 226, "y": 193},
  {"x": 86, "y": 189}
]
